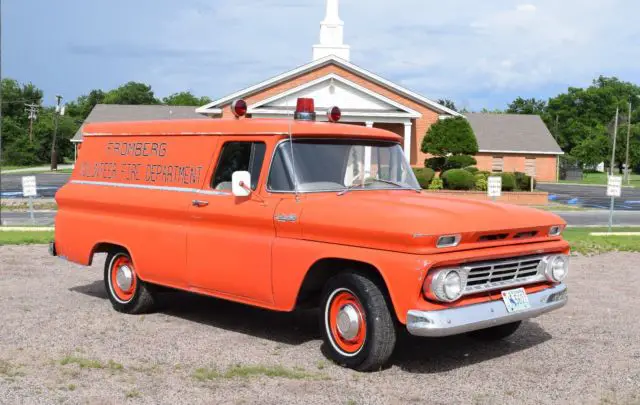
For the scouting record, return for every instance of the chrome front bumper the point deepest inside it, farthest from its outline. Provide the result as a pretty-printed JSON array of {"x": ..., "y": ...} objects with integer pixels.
[{"x": 454, "y": 321}]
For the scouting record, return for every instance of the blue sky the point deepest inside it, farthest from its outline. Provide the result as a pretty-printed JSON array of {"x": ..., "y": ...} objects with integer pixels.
[{"x": 478, "y": 53}]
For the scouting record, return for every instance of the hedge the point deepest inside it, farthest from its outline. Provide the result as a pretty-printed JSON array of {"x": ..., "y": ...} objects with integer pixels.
[
  {"x": 508, "y": 181},
  {"x": 471, "y": 169},
  {"x": 424, "y": 176},
  {"x": 523, "y": 181},
  {"x": 458, "y": 179}
]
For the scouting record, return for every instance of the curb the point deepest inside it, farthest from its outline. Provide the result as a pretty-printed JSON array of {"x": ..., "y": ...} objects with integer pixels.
[{"x": 26, "y": 228}]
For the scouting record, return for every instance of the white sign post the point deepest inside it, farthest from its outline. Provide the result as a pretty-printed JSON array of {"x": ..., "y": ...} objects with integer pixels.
[
  {"x": 614, "y": 189},
  {"x": 494, "y": 187},
  {"x": 29, "y": 190}
]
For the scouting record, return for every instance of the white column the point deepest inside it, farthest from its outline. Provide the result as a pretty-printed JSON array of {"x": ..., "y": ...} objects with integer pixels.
[
  {"x": 367, "y": 155},
  {"x": 407, "y": 140}
]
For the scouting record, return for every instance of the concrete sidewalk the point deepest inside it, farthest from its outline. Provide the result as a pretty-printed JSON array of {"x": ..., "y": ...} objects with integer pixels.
[{"x": 36, "y": 169}]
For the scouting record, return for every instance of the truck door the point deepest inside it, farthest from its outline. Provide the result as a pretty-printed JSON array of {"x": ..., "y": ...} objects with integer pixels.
[{"x": 229, "y": 239}]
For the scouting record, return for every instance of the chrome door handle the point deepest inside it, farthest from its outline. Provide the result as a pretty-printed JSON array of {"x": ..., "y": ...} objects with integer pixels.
[{"x": 199, "y": 203}]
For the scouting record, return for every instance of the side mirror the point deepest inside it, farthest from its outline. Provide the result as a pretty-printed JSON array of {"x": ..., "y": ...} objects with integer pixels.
[{"x": 241, "y": 184}]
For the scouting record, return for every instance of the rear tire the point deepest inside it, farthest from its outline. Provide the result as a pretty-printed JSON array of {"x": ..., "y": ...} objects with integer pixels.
[
  {"x": 496, "y": 333},
  {"x": 356, "y": 322},
  {"x": 127, "y": 293}
]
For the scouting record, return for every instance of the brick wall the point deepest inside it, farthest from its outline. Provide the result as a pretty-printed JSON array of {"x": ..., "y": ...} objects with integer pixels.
[{"x": 546, "y": 165}]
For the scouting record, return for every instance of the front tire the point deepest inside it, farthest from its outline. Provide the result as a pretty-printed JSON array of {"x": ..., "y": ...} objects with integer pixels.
[
  {"x": 357, "y": 325},
  {"x": 496, "y": 333},
  {"x": 127, "y": 293}
]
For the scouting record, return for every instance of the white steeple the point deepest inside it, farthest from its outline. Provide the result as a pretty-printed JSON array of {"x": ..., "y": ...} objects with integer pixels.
[{"x": 332, "y": 35}]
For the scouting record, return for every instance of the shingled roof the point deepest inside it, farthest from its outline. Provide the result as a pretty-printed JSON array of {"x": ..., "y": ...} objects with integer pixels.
[
  {"x": 512, "y": 133},
  {"x": 119, "y": 113}
]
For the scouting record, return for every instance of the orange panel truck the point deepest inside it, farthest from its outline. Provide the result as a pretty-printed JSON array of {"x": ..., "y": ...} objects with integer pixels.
[{"x": 282, "y": 214}]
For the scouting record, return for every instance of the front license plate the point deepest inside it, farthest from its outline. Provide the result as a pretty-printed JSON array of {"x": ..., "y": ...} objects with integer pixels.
[{"x": 516, "y": 300}]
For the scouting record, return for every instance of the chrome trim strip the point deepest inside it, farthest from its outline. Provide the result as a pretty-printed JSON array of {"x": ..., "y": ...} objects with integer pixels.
[
  {"x": 149, "y": 187},
  {"x": 138, "y": 186},
  {"x": 459, "y": 320}
]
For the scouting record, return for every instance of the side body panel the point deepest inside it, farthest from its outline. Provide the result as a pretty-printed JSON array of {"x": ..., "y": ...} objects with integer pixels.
[{"x": 135, "y": 192}]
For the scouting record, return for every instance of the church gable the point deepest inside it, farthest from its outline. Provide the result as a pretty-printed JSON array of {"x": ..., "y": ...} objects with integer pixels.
[{"x": 332, "y": 89}]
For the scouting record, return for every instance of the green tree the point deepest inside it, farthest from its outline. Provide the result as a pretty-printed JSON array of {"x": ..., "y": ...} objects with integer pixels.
[
  {"x": 131, "y": 93},
  {"x": 452, "y": 136},
  {"x": 83, "y": 105},
  {"x": 448, "y": 103},
  {"x": 527, "y": 106},
  {"x": 185, "y": 98},
  {"x": 16, "y": 95}
]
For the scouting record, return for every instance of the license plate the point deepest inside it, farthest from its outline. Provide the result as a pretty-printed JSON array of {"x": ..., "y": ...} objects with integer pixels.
[{"x": 516, "y": 300}]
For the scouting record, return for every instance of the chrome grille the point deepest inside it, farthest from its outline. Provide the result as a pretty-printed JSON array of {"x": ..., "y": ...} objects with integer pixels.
[{"x": 498, "y": 274}]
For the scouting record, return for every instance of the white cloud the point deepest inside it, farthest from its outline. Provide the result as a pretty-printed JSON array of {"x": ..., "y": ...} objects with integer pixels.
[{"x": 527, "y": 8}]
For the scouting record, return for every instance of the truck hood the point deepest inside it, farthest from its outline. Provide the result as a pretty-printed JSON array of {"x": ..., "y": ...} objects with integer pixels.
[{"x": 406, "y": 221}]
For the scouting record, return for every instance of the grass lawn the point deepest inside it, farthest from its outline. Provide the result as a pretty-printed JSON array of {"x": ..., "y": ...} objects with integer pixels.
[
  {"x": 601, "y": 178},
  {"x": 25, "y": 237},
  {"x": 584, "y": 243}
]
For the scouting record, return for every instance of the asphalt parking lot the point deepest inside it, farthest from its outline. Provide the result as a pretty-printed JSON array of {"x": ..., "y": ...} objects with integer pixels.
[
  {"x": 61, "y": 342},
  {"x": 591, "y": 196}
]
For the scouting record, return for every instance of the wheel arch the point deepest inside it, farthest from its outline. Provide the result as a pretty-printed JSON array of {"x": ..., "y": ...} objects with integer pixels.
[
  {"x": 322, "y": 270},
  {"x": 106, "y": 247}
]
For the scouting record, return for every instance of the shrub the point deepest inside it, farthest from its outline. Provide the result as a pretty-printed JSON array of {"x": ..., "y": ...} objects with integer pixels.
[
  {"x": 471, "y": 169},
  {"x": 522, "y": 181},
  {"x": 435, "y": 163},
  {"x": 459, "y": 162},
  {"x": 436, "y": 184},
  {"x": 424, "y": 176},
  {"x": 484, "y": 173},
  {"x": 481, "y": 183},
  {"x": 458, "y": 179},
  {"x": 508, "y": 181}
]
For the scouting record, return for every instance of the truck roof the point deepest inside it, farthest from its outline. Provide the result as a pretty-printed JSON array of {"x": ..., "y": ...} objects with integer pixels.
[{"x": 245, "y": 126}]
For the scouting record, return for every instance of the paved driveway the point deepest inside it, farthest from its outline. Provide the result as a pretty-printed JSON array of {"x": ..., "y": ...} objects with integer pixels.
[
  {"x": 47, "y": 184},
  {"x": 591, "y": 196}
]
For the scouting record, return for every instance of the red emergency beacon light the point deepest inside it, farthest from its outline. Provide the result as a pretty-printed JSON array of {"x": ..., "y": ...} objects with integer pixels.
[
  {"x": 305, "y": 110},
  {"x": 334, "y": 114},
  {"x": 239, "y": 108}
]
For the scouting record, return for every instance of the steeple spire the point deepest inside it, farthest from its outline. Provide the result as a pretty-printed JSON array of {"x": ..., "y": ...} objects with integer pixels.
[{"x": 332, "y": 35}]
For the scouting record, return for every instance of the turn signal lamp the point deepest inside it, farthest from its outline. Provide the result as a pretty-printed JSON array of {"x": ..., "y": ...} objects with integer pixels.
[
  {"x": 305, "y": 110},
  {"x": 334, "y": 114},
  {"x": 239, "y": 108}
]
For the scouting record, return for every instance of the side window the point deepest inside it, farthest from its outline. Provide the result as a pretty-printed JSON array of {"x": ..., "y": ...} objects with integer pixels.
[
  {"x": 279, "y": 179},
  {"x": 238, "y": 156}
]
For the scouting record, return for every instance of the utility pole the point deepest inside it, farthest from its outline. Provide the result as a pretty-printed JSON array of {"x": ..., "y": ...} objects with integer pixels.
[
  {"x": 54, "y": 154},
  {"x": 32, "y": 110},
  {"x": 626, "y": 162},
  {"x": 615, "y": 135}
]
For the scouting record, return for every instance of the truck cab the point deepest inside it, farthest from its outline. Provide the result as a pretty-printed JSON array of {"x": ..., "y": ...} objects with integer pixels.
[{"x": 283, "y": 214}]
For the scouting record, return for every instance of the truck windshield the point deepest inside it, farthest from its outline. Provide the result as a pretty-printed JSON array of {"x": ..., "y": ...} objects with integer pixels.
[{"x": 334, "y": 165}]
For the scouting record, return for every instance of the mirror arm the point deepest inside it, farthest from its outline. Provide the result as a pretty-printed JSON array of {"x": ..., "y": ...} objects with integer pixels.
[{"x": 250, "y": 191}]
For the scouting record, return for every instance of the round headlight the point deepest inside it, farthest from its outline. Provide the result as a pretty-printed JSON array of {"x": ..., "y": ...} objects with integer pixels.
[
  {"x": 452, "y": 286},
  {"x": 447, "y": 285},
  {"x": 558, "y": 268}
]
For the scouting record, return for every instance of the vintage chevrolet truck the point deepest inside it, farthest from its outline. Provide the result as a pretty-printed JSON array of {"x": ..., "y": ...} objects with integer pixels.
[{"x": 282, "y": 214}]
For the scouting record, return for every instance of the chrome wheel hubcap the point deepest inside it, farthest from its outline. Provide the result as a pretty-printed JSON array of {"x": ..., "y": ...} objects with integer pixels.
[
  {"x": 124, "y": 278},
  {"x": 348, "y": 322}
]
